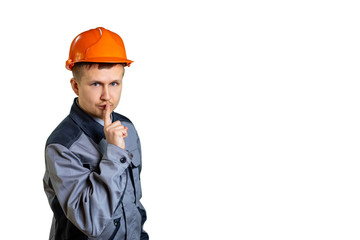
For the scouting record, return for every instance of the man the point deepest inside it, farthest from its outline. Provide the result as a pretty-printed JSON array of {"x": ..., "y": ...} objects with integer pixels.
[{"x": 93, "y": 158}]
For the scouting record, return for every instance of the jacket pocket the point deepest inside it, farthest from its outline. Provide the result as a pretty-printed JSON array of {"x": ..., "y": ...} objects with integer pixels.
[{"x": 136, "y": 160}]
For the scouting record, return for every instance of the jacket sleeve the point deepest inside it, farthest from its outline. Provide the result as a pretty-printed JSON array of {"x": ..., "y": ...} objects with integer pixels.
[{"x": 88, "y": 198}]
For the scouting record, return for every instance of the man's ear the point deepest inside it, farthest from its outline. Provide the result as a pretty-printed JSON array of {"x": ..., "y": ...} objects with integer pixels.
[{"x": 75, "y": 86}]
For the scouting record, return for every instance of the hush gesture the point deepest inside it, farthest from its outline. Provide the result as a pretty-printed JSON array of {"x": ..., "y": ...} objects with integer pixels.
[{"x": 114, "y": 132}]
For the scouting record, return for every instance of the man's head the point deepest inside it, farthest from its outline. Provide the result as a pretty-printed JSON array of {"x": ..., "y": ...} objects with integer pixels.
[
  {"x": 97, "y": 58},
  {"x": 97, "y": 84}
]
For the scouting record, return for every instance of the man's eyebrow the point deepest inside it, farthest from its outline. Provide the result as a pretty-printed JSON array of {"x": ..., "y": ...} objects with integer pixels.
[
  {"x": 98, "y": 81},
  {"x": 117, "y": 80}
]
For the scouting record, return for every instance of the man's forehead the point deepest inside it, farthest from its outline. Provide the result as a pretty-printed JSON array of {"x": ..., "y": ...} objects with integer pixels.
[{"x": 94, "y": 71}]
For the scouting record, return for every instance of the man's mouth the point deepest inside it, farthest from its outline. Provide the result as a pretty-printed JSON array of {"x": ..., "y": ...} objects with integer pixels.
[{"x": 102, "y": 106}]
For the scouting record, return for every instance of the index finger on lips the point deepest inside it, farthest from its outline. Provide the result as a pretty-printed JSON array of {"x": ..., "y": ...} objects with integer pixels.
[{"x": 107, "y": 112}]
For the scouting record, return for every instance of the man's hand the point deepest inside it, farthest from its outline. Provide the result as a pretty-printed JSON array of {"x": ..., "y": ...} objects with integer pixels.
[{"x": 114, "y": 132}]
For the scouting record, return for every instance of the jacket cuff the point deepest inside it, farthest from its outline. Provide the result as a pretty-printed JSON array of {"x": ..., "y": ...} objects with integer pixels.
[{"x": 117, "y": 154}]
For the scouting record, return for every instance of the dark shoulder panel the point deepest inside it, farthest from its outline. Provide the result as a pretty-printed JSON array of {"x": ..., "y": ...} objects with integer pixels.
[
  {"x": 66, "y": 133},
  {"x": 121, "y": 118}
]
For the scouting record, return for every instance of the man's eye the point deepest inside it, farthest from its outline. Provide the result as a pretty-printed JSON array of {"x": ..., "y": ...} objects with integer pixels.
[
  {"x": 95, "y": 84},
  {"x": 114, "y": 84}
]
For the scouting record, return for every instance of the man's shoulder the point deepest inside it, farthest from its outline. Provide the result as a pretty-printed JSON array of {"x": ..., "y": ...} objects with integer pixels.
[{"x": 66, "y": 133}]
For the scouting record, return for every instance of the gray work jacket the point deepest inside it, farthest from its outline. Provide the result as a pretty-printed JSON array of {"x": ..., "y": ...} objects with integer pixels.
[{"x": 93, "y": 188}]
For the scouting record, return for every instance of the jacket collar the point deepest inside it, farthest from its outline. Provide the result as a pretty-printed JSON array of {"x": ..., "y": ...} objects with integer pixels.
[{"x": 87, "y": 124}]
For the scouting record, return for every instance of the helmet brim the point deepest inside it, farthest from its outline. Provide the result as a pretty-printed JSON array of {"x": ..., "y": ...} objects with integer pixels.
[{"x": 69, "y": 63}]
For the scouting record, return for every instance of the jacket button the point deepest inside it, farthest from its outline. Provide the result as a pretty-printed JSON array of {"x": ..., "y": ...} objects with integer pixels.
[{"x": 123, "y": 160}]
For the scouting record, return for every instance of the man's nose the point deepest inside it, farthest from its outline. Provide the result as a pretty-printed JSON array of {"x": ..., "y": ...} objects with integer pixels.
[{"x": 105, "y": 93}]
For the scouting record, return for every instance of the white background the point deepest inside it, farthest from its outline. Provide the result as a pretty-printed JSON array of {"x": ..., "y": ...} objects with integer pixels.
[{"x": 248, "y": 113}]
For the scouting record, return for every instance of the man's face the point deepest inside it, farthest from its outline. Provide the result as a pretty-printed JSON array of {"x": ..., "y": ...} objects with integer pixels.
[{"x": 99, "y": 87}]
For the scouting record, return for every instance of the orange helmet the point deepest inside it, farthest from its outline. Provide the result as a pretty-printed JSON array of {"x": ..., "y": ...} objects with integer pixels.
[{"x": 97, "y": 45}]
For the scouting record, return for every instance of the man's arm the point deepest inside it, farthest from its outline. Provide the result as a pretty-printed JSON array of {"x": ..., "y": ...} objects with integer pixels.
[{"x": 88, "y": 198}]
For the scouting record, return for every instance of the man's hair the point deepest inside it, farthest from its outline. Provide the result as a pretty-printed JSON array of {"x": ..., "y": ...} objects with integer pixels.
[{"x": 79, "y": 67}]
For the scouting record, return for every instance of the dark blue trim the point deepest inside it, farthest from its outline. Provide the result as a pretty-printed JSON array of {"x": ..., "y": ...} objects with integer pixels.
[{"x": 87, "y": 124}]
